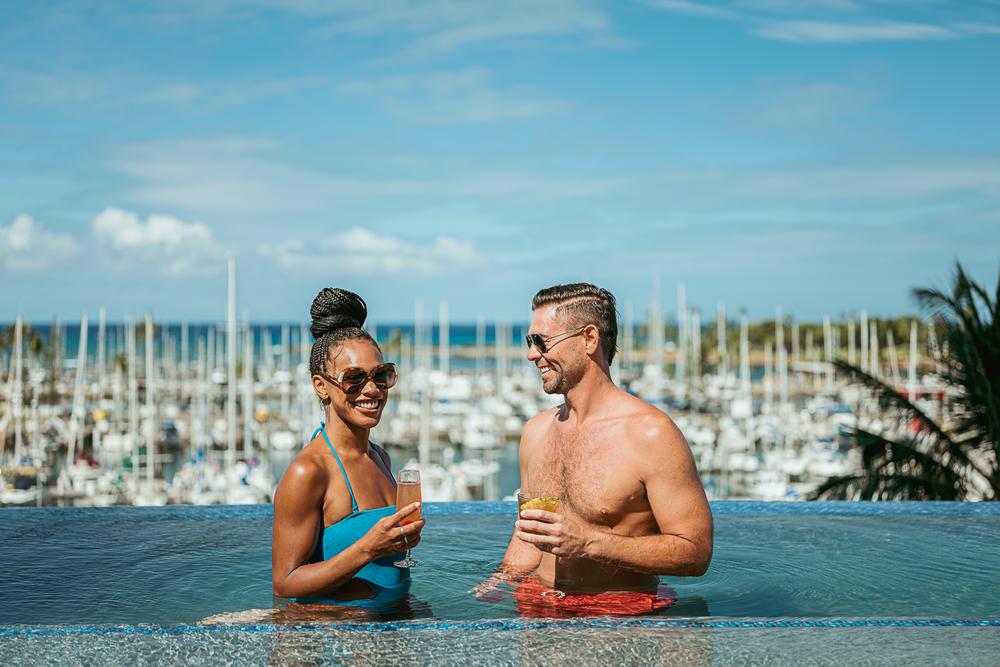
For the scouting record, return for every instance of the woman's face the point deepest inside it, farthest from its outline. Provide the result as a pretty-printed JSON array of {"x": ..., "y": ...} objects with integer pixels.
[{"x": 363, "y": 408}]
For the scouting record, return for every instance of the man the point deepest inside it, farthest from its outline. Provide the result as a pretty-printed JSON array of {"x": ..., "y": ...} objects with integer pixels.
[{"x": 631, "y": 505}]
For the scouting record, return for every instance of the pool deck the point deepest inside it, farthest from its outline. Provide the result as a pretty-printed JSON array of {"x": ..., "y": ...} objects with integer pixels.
[{"x": 521, "y": 642}]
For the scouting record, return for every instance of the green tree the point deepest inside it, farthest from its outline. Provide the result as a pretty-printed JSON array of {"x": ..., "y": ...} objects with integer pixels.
[
  {"x": 33, "y": 342},
  {"x": 956, "y": 459}
]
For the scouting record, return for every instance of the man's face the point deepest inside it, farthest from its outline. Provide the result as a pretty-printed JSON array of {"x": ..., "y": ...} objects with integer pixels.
[{"x": 561, "y": 361}]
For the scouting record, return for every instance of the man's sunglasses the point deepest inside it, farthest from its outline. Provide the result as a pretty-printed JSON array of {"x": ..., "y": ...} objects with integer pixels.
[
  {"x": 545, "y": 343},
  {"x": 352, "y": 380}
]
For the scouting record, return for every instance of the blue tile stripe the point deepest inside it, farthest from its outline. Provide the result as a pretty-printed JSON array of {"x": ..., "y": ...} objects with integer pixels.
[
  {"x": 721, "y": 507},
  {"x": 501, "y": 625}
]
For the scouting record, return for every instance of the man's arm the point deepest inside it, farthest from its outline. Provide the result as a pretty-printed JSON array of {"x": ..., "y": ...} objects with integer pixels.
[
  {"x": 520, "y": 558},
  {"x": 684, "y": 545},
  {"x": 675, "y": 494}
]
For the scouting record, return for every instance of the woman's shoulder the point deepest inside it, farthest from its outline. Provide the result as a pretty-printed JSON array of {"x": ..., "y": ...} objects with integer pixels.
[
  {"x": 306, "y": 467},
  {"x": 303, "y": 483}
]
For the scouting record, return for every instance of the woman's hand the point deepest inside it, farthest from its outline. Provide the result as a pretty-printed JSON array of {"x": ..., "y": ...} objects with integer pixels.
[{"x": 388, "y": 537}]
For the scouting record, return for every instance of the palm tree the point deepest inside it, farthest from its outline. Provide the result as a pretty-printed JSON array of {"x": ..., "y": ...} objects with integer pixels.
[{"x": 954, "y": 459}]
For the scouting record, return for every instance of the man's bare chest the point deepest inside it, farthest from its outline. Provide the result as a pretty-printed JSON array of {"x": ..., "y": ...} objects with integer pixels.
[{"x": 592, "y": 476}]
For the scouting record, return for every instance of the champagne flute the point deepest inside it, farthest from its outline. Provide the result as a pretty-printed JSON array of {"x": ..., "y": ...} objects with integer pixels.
[
  {"x": 540, "y": 501},
  {"x": 408, "y": 491}
]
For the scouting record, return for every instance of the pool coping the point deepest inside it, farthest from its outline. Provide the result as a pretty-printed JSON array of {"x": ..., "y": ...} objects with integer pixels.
[
  {"x": 482, "y": 507},
  {"x": 500, "y": 625}
]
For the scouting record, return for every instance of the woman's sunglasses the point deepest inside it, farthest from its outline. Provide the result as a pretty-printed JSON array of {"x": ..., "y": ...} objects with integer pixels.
[
  {"x": 352, "y": 380},
  {"x": 545, "y": 343}
]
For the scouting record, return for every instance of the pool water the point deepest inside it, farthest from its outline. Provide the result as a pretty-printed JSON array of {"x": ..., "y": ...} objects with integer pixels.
[
  {"x": 79, "y": 578},
  {"x": 183, "y": 564}
]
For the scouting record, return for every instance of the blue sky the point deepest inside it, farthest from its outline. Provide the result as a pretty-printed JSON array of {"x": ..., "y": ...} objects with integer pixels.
[{"x": 825, "y": 155}]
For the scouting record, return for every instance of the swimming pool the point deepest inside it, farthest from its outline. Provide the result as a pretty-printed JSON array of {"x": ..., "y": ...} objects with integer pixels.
[{"x": 909, "y": 581}]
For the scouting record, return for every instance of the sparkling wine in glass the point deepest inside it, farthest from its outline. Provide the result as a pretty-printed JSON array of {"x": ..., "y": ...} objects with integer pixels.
[{"x": 407, "y": 492}]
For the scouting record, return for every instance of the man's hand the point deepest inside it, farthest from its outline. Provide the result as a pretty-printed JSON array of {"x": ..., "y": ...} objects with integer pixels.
[
  {"x": 488, "y": 590},
  {"x": 554, "y": 533},
  {"x": 491, "y": 588}
]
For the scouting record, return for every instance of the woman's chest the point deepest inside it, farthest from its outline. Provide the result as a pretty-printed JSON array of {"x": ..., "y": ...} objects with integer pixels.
[{"x": 365, "y": 482}]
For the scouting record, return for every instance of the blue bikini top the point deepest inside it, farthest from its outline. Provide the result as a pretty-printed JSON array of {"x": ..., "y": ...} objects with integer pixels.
[{"x": 338, "y": 536}]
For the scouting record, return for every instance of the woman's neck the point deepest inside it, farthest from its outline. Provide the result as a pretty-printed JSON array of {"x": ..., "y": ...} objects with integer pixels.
[{"x": 345, "y": 437}]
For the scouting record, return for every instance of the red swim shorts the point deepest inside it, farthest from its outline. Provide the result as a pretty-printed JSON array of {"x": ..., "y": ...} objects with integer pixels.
[{"x": 530, "y": 602}]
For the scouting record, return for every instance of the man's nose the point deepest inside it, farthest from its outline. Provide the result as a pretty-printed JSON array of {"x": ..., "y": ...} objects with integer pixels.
[{"x": 533, "y": 353}]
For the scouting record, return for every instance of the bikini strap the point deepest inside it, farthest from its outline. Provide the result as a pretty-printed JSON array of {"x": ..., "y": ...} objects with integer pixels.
[{"x": 322, "y": 429}]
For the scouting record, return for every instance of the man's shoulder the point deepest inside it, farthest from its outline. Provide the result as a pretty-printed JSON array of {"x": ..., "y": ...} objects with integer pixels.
[
  {"x": 536, "y": 427},
  {"x": 543, "y": 419},
  {"x": 649, "y": 427}
]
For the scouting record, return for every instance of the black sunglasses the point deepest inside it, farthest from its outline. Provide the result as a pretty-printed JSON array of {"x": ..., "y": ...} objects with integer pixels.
[
  {"x": 352, "y": 380},
  {"x": 545, "y": 343}
]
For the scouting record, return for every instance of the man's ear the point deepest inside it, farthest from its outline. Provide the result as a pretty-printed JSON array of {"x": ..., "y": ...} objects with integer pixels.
[{"x": 592, "y": 338}]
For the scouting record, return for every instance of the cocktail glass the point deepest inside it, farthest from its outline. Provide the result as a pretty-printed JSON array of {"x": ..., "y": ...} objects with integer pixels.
[
  {"x": 540, "y": 501},
  {"x": 408, "y": 491}
]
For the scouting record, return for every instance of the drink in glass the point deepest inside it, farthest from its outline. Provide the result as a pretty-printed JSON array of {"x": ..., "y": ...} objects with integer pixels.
[
  {"x": 539, "y": 501},
  {"x": 407, "y": 492}
]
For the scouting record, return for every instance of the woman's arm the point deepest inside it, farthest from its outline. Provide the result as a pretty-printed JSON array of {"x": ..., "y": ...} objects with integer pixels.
[{"x": 298, "y": 513}]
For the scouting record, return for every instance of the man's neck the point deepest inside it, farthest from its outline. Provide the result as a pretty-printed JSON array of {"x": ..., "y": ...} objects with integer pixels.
[
  {"x": 585, "y": 398},
  {"x": 347, "y": 439}
]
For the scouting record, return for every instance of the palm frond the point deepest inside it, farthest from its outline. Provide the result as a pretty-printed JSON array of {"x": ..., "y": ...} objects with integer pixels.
[
  {"x": 888, "y": 397},
  {"x": 942, "y": 460},
  {"x": 837, "y": 487}
]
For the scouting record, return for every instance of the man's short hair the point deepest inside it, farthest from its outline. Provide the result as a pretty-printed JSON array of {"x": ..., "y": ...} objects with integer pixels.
[{"x": 583, "y": 304}]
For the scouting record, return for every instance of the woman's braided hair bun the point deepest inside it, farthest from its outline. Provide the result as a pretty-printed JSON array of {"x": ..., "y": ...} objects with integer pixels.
[
  {"x": 336, "y": 308},
  {"x": 338, "y": 315}
]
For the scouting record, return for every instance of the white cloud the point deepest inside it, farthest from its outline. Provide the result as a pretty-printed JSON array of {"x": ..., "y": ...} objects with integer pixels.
[
  {"x": 433, "y": 27},
  {"x": 444, "y": 26},
  {"x": 789, "y": 104},
  {"x": 852, "y": 196},
  {"x": 250, "y": 179},
  {"x": 803, "y": 32},
  {"x": 359, "y": 249},
  {"x": 123, "y": 229},
  {"x": 465, "y": 95},
  {"x": 178, "y": 92},
  {"x": 979, "y": 28},
  {"x": 787, "y": 6},
  {"x": 40, "y": 88},
  {"x": 226, "y": 92},
  {"x": 822, "y": 21},
  {"x": 174, "y": 246},
  {"x": 693, "y": 8},
  {"x": 26, "y": 246}
]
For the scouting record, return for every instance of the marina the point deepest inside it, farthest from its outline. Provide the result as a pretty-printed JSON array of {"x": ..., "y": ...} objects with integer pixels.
[
  {"x": 788, "y": 212},
  {"x": 139, "y": 412}
]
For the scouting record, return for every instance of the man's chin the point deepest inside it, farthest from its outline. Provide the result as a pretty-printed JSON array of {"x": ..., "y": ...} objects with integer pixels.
[{"x": 552, "y": 387}]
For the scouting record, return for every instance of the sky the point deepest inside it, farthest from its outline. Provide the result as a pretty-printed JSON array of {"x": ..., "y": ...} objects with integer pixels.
[{"x": 823, "y": 155}]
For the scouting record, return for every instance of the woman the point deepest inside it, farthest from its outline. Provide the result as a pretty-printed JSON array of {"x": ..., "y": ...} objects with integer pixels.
[{"x": 336, "y": 531}]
